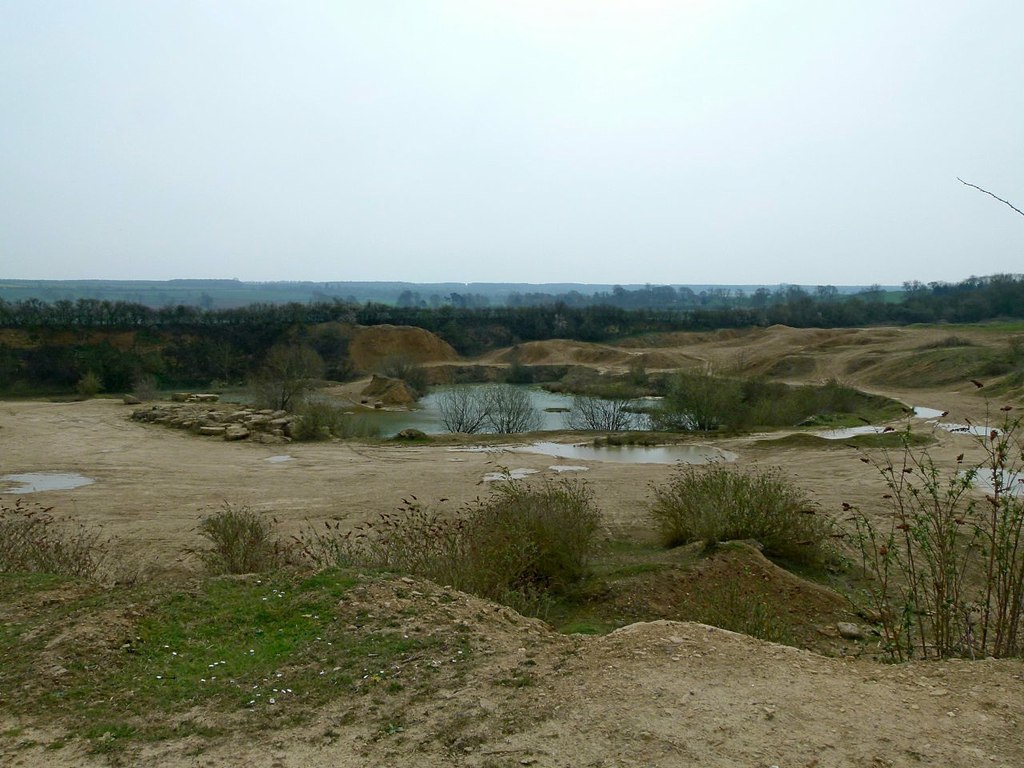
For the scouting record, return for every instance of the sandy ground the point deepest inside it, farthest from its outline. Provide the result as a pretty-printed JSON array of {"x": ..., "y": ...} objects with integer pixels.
[
  {"x": 656, "y": 694},
  {"x": 152, "y": 483}
]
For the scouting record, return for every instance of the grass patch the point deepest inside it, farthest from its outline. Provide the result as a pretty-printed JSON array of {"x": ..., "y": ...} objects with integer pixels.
[
  {"x": 717, "y": 503},
  {"x": 122, "y": 666}
]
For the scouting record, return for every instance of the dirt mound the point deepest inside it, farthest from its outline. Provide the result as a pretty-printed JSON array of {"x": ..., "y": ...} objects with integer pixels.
[
  {"x": 738, "y": 587},
  {"x": 389, "y": 391},
  {"x": 371, "y": 346}
]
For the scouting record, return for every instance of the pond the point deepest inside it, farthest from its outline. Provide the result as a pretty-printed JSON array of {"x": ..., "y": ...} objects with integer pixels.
[
  {"x": 35, "y": 482},
  {"x": 426, "y": 417}
]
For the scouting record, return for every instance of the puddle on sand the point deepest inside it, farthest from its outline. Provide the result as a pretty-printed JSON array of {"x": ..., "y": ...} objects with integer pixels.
[
  {"x": 1012, "y": 483},
  {"x": 512, "y": 474},
  {"x": 35, "y": 482},
  {"x": 560, "y": 468},
  {"x": 630, "y": 454},
  {"x": 277, "y": 459},
  {"x": 969, "y": 429},
  {"x": 928, "y": 413}
]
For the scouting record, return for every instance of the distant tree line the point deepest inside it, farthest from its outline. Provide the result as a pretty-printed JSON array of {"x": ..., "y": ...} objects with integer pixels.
[{"x": 61, "y": 341}]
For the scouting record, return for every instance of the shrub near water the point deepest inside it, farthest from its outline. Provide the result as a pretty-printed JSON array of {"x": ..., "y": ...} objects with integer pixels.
[
  {"x": 715, "y": 503},
  {"x": 518, "y": 545}
]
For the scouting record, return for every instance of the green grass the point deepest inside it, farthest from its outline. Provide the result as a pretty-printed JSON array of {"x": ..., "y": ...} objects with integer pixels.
[{"x": 253, "y": 652}]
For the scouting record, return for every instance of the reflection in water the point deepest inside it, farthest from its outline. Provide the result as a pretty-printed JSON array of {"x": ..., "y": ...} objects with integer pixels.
[
  {"x": 630, "y": 454},
  {"x": 34, "y": 482},
  {"x": 848, "y": 432}
]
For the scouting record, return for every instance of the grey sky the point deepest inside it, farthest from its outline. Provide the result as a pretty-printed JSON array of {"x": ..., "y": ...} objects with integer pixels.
[{"x": 697, "y": 141}]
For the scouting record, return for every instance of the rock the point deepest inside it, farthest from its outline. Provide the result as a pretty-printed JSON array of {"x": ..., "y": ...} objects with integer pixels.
[
  {"x": 210, "y": 430},
  {"x": 850, "y": 631},
  {"x": 411, "y": 434},
  {"x": 131, "y": 400},
  {"x": 236, "y": 433},
  {"x": 180, "y": 397},
  {"x": 201, "y": 398}
]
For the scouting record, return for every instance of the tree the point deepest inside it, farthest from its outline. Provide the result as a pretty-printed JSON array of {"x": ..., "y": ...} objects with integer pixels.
[
  {"x": 698, "y": 402},
  {"x": 510, "y": 409},
  {"x": 288, "y": 372},
  {"x": 602, "y": 415},
  {"x": 463, "y": 409}
]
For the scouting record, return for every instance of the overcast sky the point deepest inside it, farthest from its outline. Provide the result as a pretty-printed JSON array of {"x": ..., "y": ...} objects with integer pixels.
[{"x": 629, "y": 141}]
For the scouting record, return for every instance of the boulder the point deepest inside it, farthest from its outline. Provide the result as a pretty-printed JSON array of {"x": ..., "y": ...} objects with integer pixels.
[
  {"x": 209, "y": 430},
  {"x": 131, "y": 400},
  {"x": 235, "y": 432}
]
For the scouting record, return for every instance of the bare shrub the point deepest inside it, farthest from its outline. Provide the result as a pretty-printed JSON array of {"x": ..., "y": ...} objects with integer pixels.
[
  {"x": 89, "y": 385},
  {"x": 600, "y": 414},
  {"x": 33, "y": 541},
  {"x": 715, "y": 503},
  {"x": 510, "y": 410},
  {"x": 947, "y": 567},
  {"x": 288, "y": 373},
  {"x": 321, "y": 419},
  {"x": 463, "y": 409},
  {"x": 515, "y": 547},
  {"x": 145, "y": 387},
  {"x": 241, "y": 541}
]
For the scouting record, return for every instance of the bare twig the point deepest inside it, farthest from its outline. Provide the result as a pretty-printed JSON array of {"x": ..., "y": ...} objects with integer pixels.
[{"x": 1005, "y": 202}]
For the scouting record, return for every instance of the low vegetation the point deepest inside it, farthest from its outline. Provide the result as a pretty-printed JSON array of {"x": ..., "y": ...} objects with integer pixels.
[
  {"x": 947, "y": 568},
  {"x": 716, "y": 503},
  {"x": 32, "y": 540},
  {"x": 120, "y": 667},
  {"x": 323, "y": 419},
  {"x": 240, "y": 540},
  {"x": 515, "y": 547},
  {"x": 705, "y": 402}
]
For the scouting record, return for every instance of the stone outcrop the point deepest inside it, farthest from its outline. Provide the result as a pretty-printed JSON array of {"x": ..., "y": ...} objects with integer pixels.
[{"x": 264, "y": 426}]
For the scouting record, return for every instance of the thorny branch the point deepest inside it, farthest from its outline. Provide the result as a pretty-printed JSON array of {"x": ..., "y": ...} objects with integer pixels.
[{"x": 1005, "y": 202}]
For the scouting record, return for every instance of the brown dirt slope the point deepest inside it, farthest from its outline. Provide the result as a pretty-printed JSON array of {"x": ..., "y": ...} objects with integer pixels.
[{"x": 372, "y": 345}]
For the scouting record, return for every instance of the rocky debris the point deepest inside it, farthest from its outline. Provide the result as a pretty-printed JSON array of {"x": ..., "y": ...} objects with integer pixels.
[
  {"x": 193, "y": 397},
  {"x": 850, "y": 631},
  {"x": 263, "y": 426},
  {"x": 411, "y": 434}
]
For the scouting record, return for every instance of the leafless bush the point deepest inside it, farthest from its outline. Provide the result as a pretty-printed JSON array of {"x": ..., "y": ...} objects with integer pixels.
[
  {"x": 510, "y": 410},
  {"x": 600, "y": 414},
  {"x": 33, "y": 540},
  {"x": 463, "y": 409}
]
